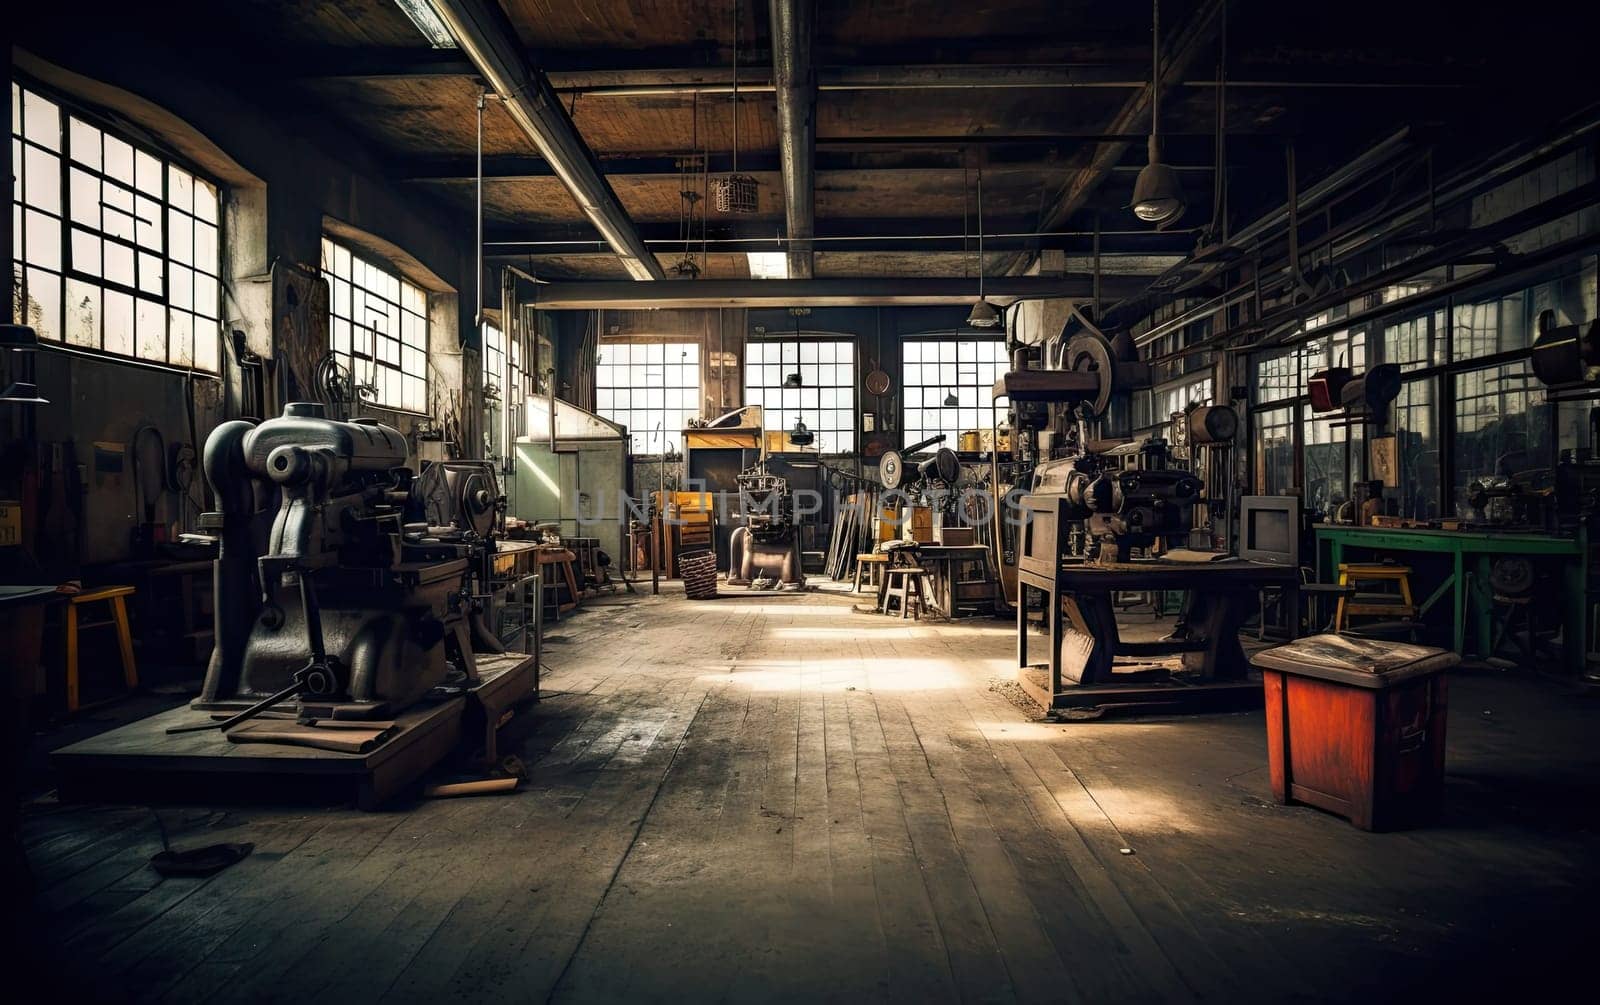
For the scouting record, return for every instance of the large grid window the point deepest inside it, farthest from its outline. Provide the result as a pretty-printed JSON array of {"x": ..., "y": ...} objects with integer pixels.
[
  {"x": 825, "y": 398},
  {"x": 1502, "y": 431},
  {"x": 117, "y": 248},
  {"x": 1333, "y": 458},
  {"x": 947, "y": 386},
  {"x": 379, "y": 328},
  {"x": 1274, "y": 449},
  {"x": 494, "y": 359},
  {"x": 653, "y": 388}
]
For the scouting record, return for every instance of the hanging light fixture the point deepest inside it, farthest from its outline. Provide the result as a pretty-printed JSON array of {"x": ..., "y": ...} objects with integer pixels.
[
  {"x": 1157, "y": 196},
  {"x": 984, "y": 314},
  {"x": 950, "y": 399},
  {"x": 736, "y": 193},
  {"x": 800, "y": 436}
]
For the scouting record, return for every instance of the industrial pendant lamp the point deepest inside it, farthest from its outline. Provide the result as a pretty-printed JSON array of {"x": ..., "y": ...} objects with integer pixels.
[
  {"x": 983, "y": 313},
  {"x": 1157, "y": 198}
]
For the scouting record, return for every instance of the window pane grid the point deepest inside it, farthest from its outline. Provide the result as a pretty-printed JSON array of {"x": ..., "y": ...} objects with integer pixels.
[
  {"x": 96, "y": 267},
  {"x": 826, "y": 398},
  {"x": 652, "y": 388},
  {"x": 378, "y": 328},
  {"x": 933, "y": 371}
]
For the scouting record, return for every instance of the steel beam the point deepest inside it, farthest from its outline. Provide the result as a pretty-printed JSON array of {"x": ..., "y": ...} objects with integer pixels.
[
  {"x": 486, "y": 37},
  {"x": 869, "y": 292}
]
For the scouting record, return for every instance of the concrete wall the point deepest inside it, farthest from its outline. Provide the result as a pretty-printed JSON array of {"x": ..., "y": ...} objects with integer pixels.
[{"x": 290, "y": 175}]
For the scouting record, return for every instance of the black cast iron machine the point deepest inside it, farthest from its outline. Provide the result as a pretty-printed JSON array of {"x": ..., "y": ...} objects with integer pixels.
[{"x": 331, "y": 600}]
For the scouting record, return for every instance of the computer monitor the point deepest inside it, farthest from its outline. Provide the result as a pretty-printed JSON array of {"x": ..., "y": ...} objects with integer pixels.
[{"x": 1269, "y": 529}]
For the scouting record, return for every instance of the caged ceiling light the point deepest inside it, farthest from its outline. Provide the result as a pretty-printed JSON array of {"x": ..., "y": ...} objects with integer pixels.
[
  {"x": 1157, "y": 196},
  {"x": 422, "y": 15}
]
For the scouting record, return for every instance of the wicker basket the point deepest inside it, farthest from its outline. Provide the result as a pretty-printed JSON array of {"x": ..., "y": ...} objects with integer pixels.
[{"x": 699, "y": 569}]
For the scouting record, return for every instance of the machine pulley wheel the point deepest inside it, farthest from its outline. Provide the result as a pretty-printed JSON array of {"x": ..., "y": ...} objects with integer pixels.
[
  {"x": 478, "y": 504},
  {"x": 891, "y": 469},
  {"x": 1511, "y": 576},
  {"x": 1091, "y": 353}
]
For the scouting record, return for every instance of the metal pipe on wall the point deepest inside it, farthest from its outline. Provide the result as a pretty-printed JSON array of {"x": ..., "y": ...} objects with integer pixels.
[{"x": 478, "y": 249}]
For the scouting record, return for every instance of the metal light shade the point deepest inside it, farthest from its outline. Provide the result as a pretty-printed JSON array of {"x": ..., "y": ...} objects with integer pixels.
[
  {"x": 22, "y": 393},
  {"x": 792, "y": 381},
  {"x": 950, "y": 400},
  {"x": 800, "y": 436},
  {"x": 1157, "y": 196},
  {"x": 984, "y": 315}
]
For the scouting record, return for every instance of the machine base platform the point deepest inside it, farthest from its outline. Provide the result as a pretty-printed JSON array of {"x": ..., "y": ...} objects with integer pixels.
[
  {"x": 141, "y": 762},
  {"x": 1144, "y": 696}
]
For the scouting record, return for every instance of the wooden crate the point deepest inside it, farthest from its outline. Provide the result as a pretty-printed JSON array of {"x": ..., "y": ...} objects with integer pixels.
[{"x": 1367, "y": 744}]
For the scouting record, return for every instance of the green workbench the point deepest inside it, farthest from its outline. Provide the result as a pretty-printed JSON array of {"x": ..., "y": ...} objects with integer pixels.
[{"x": 1479, "y": 547}]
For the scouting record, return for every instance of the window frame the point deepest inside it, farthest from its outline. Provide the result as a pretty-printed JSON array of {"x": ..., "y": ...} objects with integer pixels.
[
  {"x": 995, "y": 407},
  {"x": 1438, "y": 380},
  {"x": 639, "y": 444},
  {"x": 68, "y": 271},
  {"x": 775, "y": 417},
  {"x": 335, "y": 243}
]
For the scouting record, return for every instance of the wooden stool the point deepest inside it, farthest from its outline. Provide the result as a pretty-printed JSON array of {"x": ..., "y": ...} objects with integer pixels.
[
  {"x": 905, "y": 585},
  {"x": 1355, "y": 574},
  {"x": 114, "y": 597},
  {"x": 872, "y": 562}
]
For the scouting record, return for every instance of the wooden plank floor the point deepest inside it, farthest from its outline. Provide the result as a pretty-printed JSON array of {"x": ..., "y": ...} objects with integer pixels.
[{"x": 777, "y": 798}]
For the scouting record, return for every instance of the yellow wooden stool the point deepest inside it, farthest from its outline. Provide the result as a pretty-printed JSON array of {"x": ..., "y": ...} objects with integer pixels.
[
  {"x": 115, "y": 598},
  {"x": 1398, "y": 606},
  {"x": 872, "y": 563}
]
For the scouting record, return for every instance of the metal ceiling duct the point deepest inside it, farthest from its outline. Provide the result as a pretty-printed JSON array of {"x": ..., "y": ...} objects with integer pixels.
[
  {"x": 487, "y": 38},
  {"x": 793, "y": 25}
]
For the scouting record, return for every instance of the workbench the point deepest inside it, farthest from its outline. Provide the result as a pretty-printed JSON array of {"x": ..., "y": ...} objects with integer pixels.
[
  {"x": 1472, "y": 552},
  {"x": 1085, "y": 641},
  {"x": 959, "y": 580}
]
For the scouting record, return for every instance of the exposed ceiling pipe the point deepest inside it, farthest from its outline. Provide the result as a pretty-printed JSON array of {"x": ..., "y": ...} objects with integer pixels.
[
  {"x": 650, "y": 83},
  {"x": 486, "y": 38},
  {"x": 793, "y": 24},
  {"x": 865, "y": 292}
]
